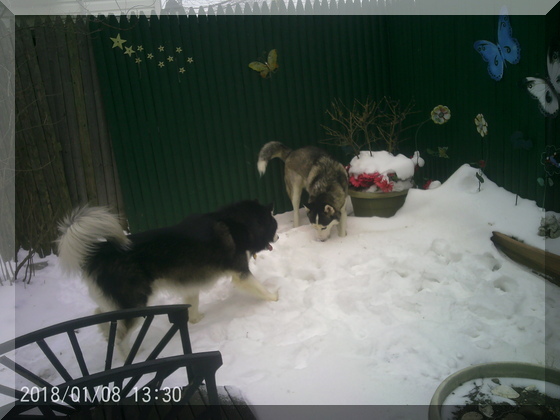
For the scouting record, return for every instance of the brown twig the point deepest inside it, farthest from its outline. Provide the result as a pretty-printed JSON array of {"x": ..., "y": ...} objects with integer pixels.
[{"x": 375, "y": 124}]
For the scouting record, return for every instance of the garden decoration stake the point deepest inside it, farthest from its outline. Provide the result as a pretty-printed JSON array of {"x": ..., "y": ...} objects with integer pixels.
[
  {"x": 439, "y": 115},
  {"x": 520, "y": 143},
  {"x": 550, "y": 160},
  {"x": 482, "y": 128}
]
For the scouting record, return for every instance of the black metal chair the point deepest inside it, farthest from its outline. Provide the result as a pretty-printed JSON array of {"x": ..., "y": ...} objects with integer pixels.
[{"x": 136, "y": 385}]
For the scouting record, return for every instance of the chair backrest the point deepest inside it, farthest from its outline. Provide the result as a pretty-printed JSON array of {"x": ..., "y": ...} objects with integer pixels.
[{"x": 178, "y": 318}]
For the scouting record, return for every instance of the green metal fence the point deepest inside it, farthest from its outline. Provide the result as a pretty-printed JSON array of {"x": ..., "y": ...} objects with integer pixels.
[{"x": 188, "y": 116}]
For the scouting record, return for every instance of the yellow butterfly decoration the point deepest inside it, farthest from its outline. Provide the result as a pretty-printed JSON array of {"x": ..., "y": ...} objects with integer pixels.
[
  {"x": 267, "y": 68},
  {"x": 441, "y": 152}
]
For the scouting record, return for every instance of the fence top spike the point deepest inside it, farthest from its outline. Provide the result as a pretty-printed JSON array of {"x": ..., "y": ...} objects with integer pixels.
[
  {"x": 281, "y": 6},
  {"x": 333, "y": 7},
  {"x": 291, "y": 8},
  {"x": 238, "y": 9},
  {"x": 256, "y": 9},
  {"x": 367, "y": 5},
  {"x": 264, "y": 9},
  {"x": 321, "y": 6}
]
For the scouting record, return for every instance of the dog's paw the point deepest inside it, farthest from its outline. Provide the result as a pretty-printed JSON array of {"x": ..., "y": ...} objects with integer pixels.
[
  {"x": 194, "y": 318},
  {"x": 273, "y": 297}
]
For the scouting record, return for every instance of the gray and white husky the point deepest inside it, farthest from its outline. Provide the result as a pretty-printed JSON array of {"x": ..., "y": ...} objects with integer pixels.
[{"x": 325, "y": 180}]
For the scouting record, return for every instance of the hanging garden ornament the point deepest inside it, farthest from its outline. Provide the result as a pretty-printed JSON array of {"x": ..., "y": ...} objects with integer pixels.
[
  {"x": 551, "y": 163},
  {"x": 519, "y": 141},
  {"x": 118, "y": 41},
  {"x": 481, "y": 125},
  {"x": 553, "y": 160},
  {"x": 547, "y": 90},
  {"x": 440, "y": 114},
  {"x": 550, "y": 159},
  {"x": 268, "y": 67},
  {"x": 441, "y": 152},
  {"x": 506, "y": 49}
]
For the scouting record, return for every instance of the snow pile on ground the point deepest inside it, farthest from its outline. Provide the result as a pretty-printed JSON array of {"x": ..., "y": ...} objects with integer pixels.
[{"x": 381, "y": 316}]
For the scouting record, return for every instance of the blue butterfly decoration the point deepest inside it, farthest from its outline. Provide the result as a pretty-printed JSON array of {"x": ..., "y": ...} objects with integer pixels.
[{"x": 507, "y": 48}]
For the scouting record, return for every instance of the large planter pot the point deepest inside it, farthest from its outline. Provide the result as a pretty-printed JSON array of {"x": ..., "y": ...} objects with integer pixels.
[
  {"x": 488, "y": 370},
  {"x": 367, "y": 204}
]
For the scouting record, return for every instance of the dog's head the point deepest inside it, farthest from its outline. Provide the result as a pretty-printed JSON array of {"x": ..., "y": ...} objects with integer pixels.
[
  {"x": 322, "y": 217},
  {"x": 269, "y": 225},
  {"x": 252, "y": 225}
]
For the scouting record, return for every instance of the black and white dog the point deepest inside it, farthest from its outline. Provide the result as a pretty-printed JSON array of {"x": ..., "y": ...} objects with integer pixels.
[
  {"x": 124, "y": 271},
  {"x": 324, "y": 178}
]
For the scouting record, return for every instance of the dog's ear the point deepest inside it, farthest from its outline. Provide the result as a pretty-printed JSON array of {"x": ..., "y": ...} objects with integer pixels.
[{"x": 329, "y": 210}]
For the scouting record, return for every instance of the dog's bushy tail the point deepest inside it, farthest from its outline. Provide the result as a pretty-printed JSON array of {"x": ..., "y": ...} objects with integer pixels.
[
  {"x": 82, "y": 230},
  {"x": 271, "y": 150}
]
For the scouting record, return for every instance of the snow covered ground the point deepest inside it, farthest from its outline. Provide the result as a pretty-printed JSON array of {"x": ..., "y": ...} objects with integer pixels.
[{"x": 379, "y": 317}]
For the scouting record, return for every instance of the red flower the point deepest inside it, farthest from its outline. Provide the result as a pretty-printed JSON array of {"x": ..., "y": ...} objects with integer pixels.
[
  {"x": 367, "y": 180},
  {"x": 482, "y": 164},
  {"x": 427, "y": 184},
  {"x": 383, "y": 183},
  {"x": 359, "y": 181},
  {"x": 362, "y": 180}
]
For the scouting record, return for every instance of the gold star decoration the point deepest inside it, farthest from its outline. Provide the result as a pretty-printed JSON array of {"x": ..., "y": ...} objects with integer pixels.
[
  {"x": 128, "y": 51},
  {"x": 160, "y": 61},
  {"x": 118, "y": 41}
]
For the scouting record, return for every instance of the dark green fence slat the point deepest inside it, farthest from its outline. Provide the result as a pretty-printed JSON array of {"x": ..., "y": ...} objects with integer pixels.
[
  {"x": 153, "y": 136},
  {"x": 113, "y": 103},
  {"x": 193, "y": 134}
]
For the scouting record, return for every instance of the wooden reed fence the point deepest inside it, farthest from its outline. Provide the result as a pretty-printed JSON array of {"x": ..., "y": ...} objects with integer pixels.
[
  {"x": 7, "y": 161},
  {"x": 63, "y": 150}
]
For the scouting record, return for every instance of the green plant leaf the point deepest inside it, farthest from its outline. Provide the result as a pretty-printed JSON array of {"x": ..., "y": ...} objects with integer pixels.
[{"x": 540, "y": 181}]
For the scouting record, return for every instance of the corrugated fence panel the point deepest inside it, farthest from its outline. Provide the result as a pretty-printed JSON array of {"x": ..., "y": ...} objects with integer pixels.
[
  {"x": 440, "y": 66},
  {"x": 189, "y": 116},
  {"x": 190, "y": 119}
]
